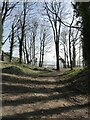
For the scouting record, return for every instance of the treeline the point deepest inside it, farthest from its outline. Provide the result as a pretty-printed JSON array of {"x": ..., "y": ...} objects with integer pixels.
[
  {"x": 34, "y": 26},
  {"x": 83, "y": 10}
]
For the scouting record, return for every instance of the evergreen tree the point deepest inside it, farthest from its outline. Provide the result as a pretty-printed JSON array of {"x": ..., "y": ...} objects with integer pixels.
[{"x": 83, "y": 10}]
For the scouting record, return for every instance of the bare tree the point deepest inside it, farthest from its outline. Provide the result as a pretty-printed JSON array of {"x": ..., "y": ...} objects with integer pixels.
[
  {"x": 26, "y": 54},
  {"x": 64, "y": 43},
  {"x": 41, "y": 51},
  {"x": 5, "y": 10},
  {"x": 75, "y": 34},
  {"x": 22, "y": 23},
  {"x": 24, "y": 29},
  {"x": 29, "y": 43},
  {"x": 70, "y": 55},
  {"x": 42, "y": 47},
  {"x": 69, "y": 25},
  {"x": 34, "y": 32},
  {"x": 53, "y": 11}
]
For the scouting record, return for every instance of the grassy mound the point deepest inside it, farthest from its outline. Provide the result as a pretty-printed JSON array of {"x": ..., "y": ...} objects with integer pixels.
[
  {"x": 13, "y": 70},
  {"x": 26, "y": 70}
]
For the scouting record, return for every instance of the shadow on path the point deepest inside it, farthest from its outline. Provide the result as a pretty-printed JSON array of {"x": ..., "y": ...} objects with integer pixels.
[
  {"x": 46, "y": 112},
  {"x": 15, "y": 86}
]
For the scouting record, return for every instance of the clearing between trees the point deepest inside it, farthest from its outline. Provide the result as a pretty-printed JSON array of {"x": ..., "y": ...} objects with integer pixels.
[{"x": 37, "y": 93}]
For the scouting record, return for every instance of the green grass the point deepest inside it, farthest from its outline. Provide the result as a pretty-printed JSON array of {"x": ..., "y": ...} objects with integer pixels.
[
  {"x": 74, "y": 72},
  {"x": 25, "y": 70}
]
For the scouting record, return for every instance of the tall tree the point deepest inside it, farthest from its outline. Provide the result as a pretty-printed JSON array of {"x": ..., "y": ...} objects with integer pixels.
[
  {"x": 42, "y": 48},
  {"x": 64, "y": 43},
  {"x": 70, "y": 55},
  {"x": 76, "y": 35},
  {"x": 53, "y": 11},
  {"x": 22, "y": 22},
  {"x": 34, "y": 32}
]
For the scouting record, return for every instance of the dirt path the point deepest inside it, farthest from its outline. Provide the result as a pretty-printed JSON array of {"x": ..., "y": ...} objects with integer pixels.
[{"x": 42, "y": 97}]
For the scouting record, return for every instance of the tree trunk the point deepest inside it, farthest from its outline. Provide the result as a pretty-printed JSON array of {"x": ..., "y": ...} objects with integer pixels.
[
  {"x": 30, "y": 56},
  {"x": 43, "y": 48},
  {"x": 27, "y": 56},
  {"x": 64, "y": 57},
  {"x": 24, "y": 56},
  {"x": 70, "y": 49},
  {"x": 1, "y": 32},
  {"x": 21, "y": 47},
  {"x": 57, "y": 55},
  {"x": 40, "y": 62},
  {"x": 42, "y": 57},
  {"x": 33, "y": 50},
  {"x": 2, "y": 56},
  {"x": 67, "y": 58},
  {"x": 12, "y": 43},
  {"x": 74, "y": 55},
  {"x": 79, "y": 56},
  {"x": 20, "y": 52}
]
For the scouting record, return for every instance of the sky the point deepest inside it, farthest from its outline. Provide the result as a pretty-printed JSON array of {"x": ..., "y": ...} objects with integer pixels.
[{"x": 49, "y": 56}]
